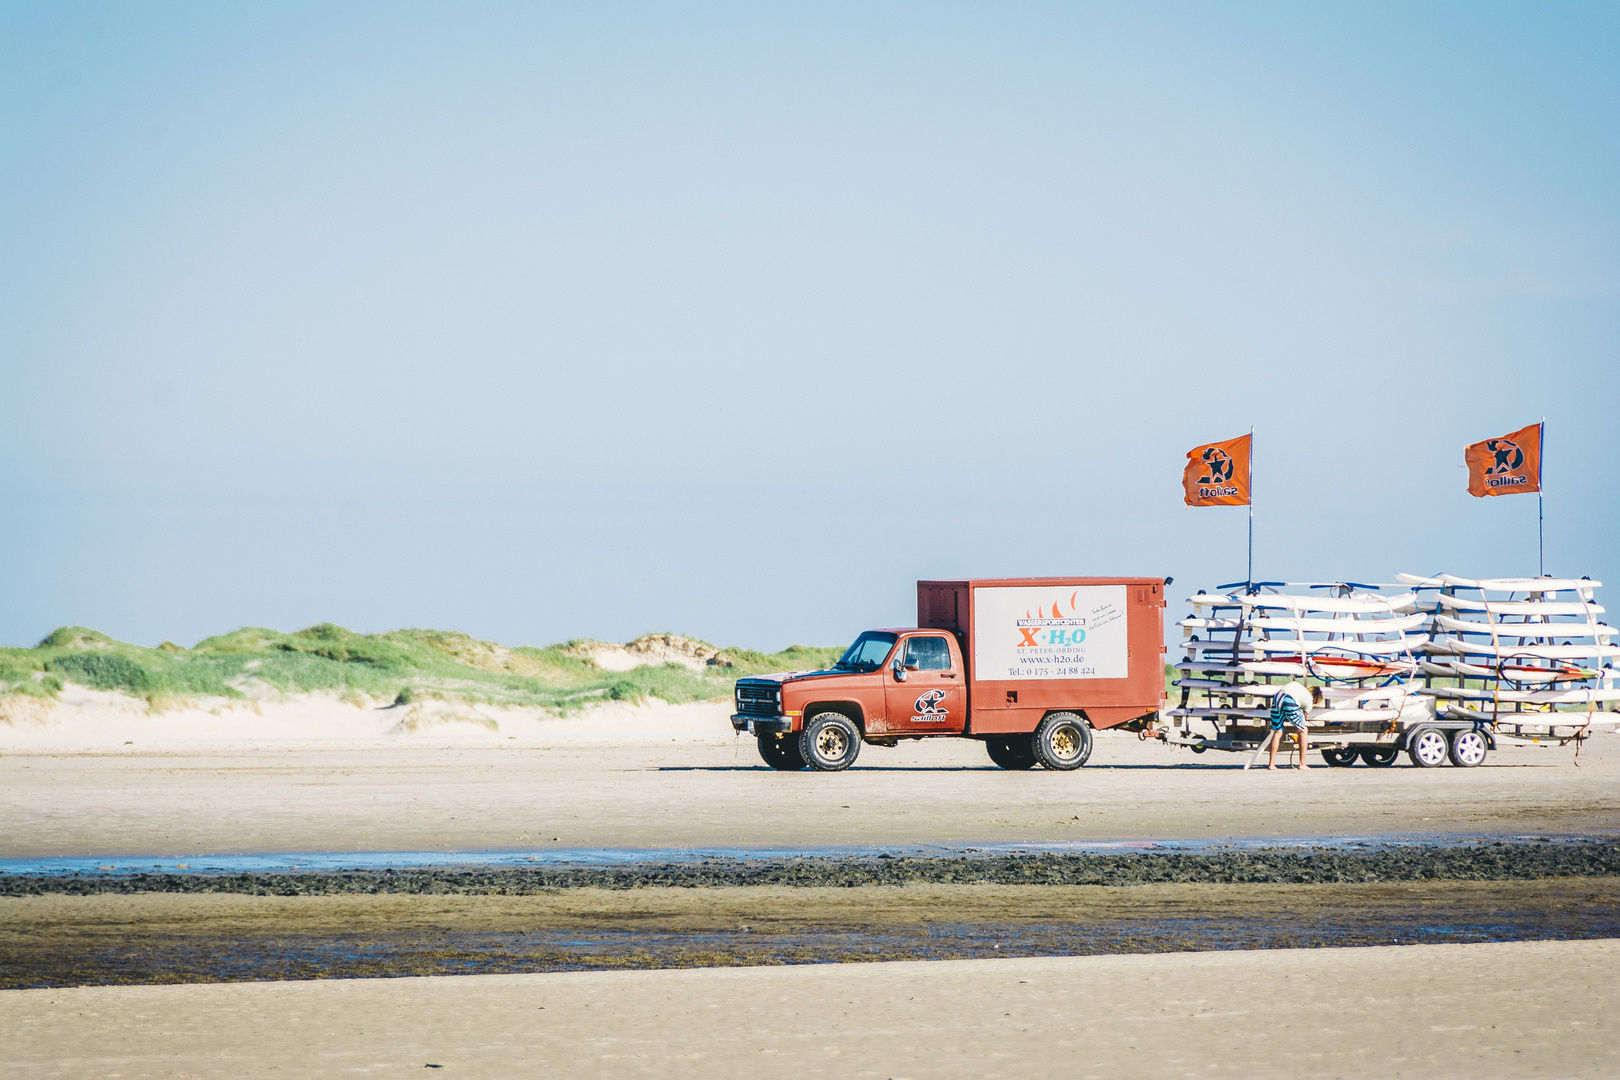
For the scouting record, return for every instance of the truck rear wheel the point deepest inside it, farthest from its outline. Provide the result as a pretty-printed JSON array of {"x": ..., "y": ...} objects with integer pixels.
[
  {"x": 1062, "y": 741},
  {"x": 1011, "y": 752},
  {"x": 829, "y": 742},
  {"x": 781, "y": 754}
]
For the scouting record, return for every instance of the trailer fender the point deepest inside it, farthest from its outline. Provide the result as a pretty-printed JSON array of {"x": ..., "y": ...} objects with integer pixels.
[{"x": 1404, "y": 739}]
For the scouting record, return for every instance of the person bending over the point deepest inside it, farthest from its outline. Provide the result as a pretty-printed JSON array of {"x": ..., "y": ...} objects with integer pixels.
[{"x": 1288, "y": 709}]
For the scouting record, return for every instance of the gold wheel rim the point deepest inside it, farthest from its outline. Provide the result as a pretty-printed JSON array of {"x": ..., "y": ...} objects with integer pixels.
[
  {"x": 1064, "y": 742},
  {"x": 831, "y": 743}
]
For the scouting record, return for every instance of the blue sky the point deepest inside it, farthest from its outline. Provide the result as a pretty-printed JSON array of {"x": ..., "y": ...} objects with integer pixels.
[{"x": 543, "y": 321}]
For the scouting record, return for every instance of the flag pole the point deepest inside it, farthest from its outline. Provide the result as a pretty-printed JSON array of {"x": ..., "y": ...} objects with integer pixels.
[
  {"x": 1541, "y": 517},
  {"x": 1251, "y": 508}
]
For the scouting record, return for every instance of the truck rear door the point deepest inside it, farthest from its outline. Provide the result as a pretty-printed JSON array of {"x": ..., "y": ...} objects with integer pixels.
[{"x": 933, "y": 698}]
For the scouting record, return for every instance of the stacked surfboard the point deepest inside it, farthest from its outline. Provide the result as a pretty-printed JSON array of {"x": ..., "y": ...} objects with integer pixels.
[
  {"x": 1244, "y": 643},
  {"x": 1527, "y": 656}
]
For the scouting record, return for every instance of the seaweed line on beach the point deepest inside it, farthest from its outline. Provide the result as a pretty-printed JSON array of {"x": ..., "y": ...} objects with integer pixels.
[{"x": 1499, "y": 861}]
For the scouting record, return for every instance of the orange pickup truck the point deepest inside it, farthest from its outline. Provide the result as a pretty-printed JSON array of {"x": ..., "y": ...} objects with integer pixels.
[{"x": 1028, "y": 666}]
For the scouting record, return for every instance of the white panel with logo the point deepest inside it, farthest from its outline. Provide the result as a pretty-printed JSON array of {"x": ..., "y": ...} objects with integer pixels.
[{"x": 1050, "y": 632}]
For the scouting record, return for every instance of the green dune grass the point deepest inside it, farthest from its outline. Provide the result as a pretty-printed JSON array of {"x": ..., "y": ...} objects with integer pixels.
[{"x": 402, "y": 665}]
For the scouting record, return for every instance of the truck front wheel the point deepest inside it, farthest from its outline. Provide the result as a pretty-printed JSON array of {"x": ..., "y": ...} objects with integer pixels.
[
  {"x": 1011, "y": 752},
  {"x": 1062, "y": 741},
  {"x": 829, "y": 742},
  {"x": 781, "y": 754}
]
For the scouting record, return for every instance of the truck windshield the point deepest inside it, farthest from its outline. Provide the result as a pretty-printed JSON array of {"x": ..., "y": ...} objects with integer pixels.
[{"x": 867, "y": 653}]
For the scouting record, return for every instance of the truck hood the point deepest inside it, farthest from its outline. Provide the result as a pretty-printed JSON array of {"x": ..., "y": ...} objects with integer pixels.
[{"x": 780, "y": 677}]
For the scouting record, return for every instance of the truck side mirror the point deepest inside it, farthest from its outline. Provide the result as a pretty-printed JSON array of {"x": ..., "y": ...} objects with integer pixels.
[{"x": 899, "y": 670}]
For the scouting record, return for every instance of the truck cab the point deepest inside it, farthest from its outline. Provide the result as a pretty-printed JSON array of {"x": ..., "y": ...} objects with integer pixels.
[{"x": 893, "y": 683}]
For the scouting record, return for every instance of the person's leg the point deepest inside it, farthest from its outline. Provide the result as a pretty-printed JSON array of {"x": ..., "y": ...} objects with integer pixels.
[
  {"x": 1300, "y": 737},
  {"x": 1276, "y": 737}
]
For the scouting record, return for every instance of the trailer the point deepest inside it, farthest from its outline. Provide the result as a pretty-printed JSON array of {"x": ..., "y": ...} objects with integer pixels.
[{"x": 1394, "y": 670}]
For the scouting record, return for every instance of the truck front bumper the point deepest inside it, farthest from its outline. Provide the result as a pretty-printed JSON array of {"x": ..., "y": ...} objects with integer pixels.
[{"x": 762, "y": 725}]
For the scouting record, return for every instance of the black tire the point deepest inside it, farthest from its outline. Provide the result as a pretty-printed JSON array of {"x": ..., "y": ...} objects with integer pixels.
[
  {"x": 1341, "y": 758},
  {"x": 1468, "y": 748},
  {"x": 781, "y": 754},
  {"x": 830, "y": 742},
  {"x": 1379, "y": 757},
  {"x": 1062, "y": 741},
  {"x": 1012, "y": 751},
  {"x": 1428, "y": 748}
]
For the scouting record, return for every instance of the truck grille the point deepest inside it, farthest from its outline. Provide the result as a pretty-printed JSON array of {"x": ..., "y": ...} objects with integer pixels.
[{"x": 756, "y": 699}]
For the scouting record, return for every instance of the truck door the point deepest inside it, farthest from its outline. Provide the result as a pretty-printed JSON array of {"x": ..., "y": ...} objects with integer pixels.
[{"x": 933, "y": 698}]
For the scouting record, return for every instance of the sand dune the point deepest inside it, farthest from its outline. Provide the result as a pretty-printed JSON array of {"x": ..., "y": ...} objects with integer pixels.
[{"x": 85, "y": 719}]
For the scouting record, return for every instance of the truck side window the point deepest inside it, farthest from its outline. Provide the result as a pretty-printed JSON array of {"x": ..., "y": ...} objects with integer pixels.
[{"x": 928, "y": 653}]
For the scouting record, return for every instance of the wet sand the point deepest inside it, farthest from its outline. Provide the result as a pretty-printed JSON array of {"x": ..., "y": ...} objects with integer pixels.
[
  {"x": 169, "y": 937},
  {"x": 697, "y": 790},
  {"x": 1482, "y": 1011}
]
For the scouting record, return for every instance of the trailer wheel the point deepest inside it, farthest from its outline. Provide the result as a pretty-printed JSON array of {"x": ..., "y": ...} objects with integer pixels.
[
  {"x": 1013, "y": 752},
  {"x": 1379, "y": 757},
  {"x": 781, "y": 754},
  {"x": 1428, "y": 748},
  {"x": 1468, "y": 748},
  {"x": 1339, "y": 757},
  {"x": 1062, "y": 741},
  {"x": 829, "y": 742}
]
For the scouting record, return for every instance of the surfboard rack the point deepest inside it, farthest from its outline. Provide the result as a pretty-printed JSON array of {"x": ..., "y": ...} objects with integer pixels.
[
  {"x": 1356, "y": 640},
  {"x": 1517, "y": 660},
  {"x": 1529, "y": 658}
]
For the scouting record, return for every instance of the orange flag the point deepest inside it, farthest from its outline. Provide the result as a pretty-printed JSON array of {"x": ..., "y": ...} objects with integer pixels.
[
  {"x": 1506, "y": 466},
  {"x": 1217, "y": 474}
]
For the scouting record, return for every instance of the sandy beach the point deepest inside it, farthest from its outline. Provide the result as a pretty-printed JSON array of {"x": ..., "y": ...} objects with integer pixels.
[
  {"x": 629, "y": 777},
  {"x": 1496, "y": 1010}
]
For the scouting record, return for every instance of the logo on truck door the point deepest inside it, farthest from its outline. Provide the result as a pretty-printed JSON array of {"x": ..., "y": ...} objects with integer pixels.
[{"x": 927, "y": 706}]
